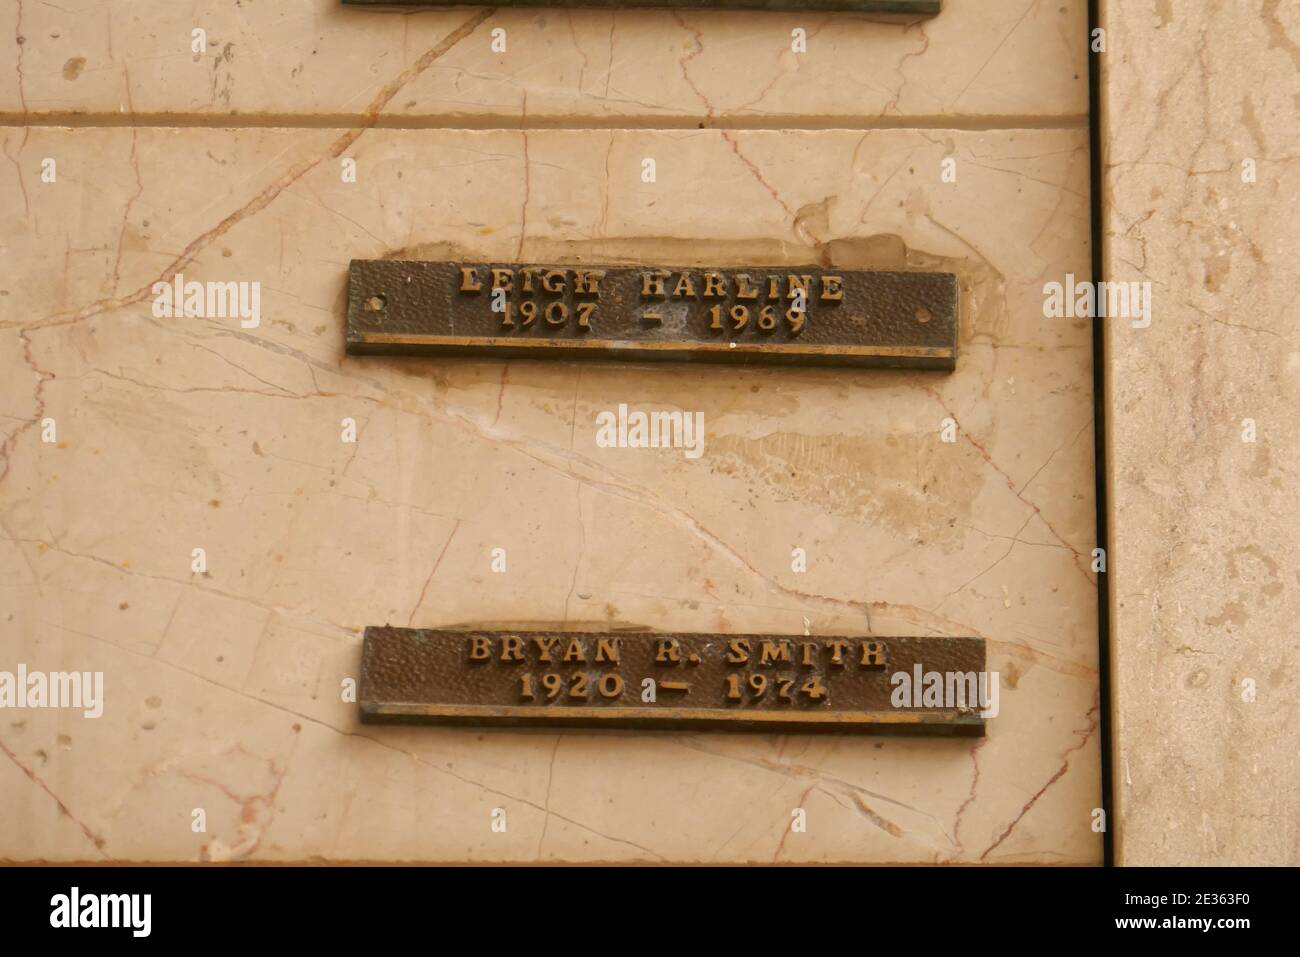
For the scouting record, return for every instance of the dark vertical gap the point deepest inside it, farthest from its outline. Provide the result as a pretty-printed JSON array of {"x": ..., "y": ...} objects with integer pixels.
[{"x": 1099, "y": 446}]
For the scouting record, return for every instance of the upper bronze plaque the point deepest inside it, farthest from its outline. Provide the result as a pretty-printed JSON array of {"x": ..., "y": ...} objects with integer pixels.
[
  {"x": 804, "y": 315},
  {"x": 907, "y": 9}
]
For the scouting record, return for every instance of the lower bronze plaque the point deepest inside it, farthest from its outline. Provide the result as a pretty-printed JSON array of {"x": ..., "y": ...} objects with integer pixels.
[
  {"x": 790, "y": 314},
  {"x": 769, "y": 683}
]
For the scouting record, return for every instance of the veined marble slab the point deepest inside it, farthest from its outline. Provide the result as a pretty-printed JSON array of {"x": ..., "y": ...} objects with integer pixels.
[
  {"x": 223, "y": 688},
  {"x": 1011, "y": 62}
]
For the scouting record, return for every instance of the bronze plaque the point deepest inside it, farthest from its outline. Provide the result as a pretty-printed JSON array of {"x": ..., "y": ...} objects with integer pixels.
[
  {"x": 886, "y": 9},
  {"x": 774, "y": 683},
  {"x": 806, "y": 315}
]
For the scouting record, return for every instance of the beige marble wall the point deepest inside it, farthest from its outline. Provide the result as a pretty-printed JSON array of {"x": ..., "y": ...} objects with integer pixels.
[
  {"x": 977, "y": 60},
  {"x": 223, "y": 687},
  {"x": 1204, "y": 568}
]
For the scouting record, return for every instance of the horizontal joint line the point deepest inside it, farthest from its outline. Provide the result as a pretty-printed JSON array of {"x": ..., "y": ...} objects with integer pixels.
[{"x": 490, "y": 122}]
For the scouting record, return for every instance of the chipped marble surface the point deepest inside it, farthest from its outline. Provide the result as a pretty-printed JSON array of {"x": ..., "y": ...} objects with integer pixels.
[
  {"x": 1204, "y": 571},
  {"x": 223, "y": 688}
]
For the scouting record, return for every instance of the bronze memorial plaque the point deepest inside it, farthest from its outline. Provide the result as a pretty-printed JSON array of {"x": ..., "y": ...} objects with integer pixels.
[
  {"x": 805, "y": 315},
  {"x": 904, "y": 10},
  {"x": 776, "y": 683}
]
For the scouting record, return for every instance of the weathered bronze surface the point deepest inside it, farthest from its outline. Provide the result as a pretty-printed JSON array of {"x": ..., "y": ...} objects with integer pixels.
[
  {"x": 797, "y": 314},
  {"x": 772, "y": 683},
  {"x": 885, "y": 8}
]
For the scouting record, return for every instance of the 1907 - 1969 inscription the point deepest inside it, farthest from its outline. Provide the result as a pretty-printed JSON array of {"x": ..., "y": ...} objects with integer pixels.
[
  {"x": 721, "y": 682},
  {"x": 799, "y": 314}
]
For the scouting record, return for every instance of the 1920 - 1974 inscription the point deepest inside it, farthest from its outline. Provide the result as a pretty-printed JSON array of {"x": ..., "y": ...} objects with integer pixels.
[
  {"x": 756, "y": 314},
  {"x": 775, "y": 683}
]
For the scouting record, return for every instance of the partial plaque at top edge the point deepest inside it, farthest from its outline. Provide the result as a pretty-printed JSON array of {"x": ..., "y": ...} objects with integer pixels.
[
  {"x": 892, "y": 9},
  {"x": 802, "y": 315}
]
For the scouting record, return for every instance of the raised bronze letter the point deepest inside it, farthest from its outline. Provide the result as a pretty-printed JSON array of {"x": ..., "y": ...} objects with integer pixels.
[
  {"x": 873, "y": 654},
  {"x": 502, "y": 278},
  {"x": 837, "y": 652},
  {"x": 652, "y": 284},
  {"x": 586, "y": 281},
  {"x": 684, "y": 287},
  {"x": 715, "y": 285},
  {"x": 669, "y": 651}
]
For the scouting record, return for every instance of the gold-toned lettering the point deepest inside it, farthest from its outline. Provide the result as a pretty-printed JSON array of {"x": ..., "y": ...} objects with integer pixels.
[
  {"x": 586, "y": 282},
  {"x": 715, "y": 285},
  {"x": 480, "y": 648},
  {"x": 512, "y": 648},
  {"x": 798, "y": 284},
  {"x": 469, "y": 279},
  {"x": 607, "y": 650},
  {"x": 574, "y": 652},
  {"x": 553, "y": 281},
  {"x": 652, "y": 283},
  {"x": 773, "y": 651},
  {"x": 837, "y": 652},
  {"x": 743, "y": 289},
  {"x": 873, "y": 654},
  {"x": 544, "y": 647},
  {"x": 808, "y": 648},
  {"x": 503, "y": 279},
  {"x": 684, "y": 287},
  {"x": 557, "y": 313},
  {"x": 832, "y": 290},
  {"x": 738, "y": 651},
  {"x": 669, "y": 651},
  {"x": 611, "y": 685}
]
